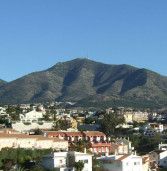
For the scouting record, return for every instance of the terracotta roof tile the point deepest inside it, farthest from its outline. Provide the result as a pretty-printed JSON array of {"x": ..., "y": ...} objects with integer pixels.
[
  {"x": 56, "y": 133},
  {"x": 73, "y": 133},
  {"x": 94, "y": 133},
  {"x": 5, "y": 130},
  {"x": 147, "y": 159},
  {"x": 4, "y": 135},
  {"x": 59, "y": 140},
  {"x": 123, "y": 157},
  {"x": 40, "y": 137}
]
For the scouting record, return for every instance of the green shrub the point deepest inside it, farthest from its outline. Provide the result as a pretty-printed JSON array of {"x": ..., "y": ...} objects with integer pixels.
[
  {"x": 40, "y": 123},
  {"x": 27, "y": 123}
]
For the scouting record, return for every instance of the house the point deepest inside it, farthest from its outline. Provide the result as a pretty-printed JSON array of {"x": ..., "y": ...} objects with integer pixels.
[
  {"x": 160, "y": 156},
  {"x": 128, "y": 162},
  {"x": 31, "y": 116},
  {"x": 52, "y": 134},
  {"x": 128, "y": 117},
  {"x": 152, "y": 128},
  {"x": 64, "y": 161},
  {"x": 100, "y": 144},
  {"x": 162, "y": 146},
  {"x": 140, "y": 116},
  {"x": 126, "y": 142},
  {"x": 149, "y": 163},
  {"x": 16, "y": 140},
  {"x": 118, "y": 148}
]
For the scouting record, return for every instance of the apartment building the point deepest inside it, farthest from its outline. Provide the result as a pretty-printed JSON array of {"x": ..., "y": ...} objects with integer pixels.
[
  {"x": 16, "y": 140},
  {"x": 100, "y": 144}
]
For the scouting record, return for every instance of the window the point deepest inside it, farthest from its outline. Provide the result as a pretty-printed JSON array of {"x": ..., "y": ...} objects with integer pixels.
[
  {"x": 136, "y": 163},
  {"x": 84, "y": 161},
  {"x": 60, "y": 161}
]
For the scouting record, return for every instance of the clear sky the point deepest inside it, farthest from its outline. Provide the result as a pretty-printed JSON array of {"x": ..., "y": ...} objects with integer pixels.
[{"x": 36, "y": 34}]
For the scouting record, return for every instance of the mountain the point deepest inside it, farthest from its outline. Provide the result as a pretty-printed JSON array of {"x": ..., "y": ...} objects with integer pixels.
[
  {"x": 89, "y": 83},
  {"x": 2, "y": 82}
]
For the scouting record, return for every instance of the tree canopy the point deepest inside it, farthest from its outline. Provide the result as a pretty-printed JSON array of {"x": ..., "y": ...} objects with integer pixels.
[{"x": 109, "y": 123}]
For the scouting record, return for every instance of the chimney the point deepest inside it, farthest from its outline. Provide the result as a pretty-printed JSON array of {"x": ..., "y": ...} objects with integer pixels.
[
  {"x": 116, "y": 152},
  {"x": 85, "y": 150},
  {"x": 106, "y": 154}
]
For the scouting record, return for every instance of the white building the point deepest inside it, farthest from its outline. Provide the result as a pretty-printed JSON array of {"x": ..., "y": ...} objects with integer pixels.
[
  {"x": 126, "y": 162},
  {"x": 152, "y": 128},
  {"x": 2, "y": 110},
  {"x": 64, "y": 161},
  {"x": 31, "y": 116},
  {"x": 160, "y": 156},
  {"x": 162, "y": 146}
]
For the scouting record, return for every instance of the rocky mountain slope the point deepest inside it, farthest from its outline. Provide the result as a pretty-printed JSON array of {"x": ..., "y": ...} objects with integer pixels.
[{"x": 86, "y": 82}]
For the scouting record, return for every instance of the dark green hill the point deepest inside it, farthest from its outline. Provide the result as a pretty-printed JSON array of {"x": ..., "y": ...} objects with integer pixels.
[{"x": 89, "y": 83}]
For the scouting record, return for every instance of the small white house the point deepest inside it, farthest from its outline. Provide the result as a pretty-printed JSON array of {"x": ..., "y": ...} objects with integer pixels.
[
  {"x": 126, "y": 162},
  {"x": 31, "y": 116},
  {"x": 160, "y": 156},
  {"x": 64, "y": 161}
]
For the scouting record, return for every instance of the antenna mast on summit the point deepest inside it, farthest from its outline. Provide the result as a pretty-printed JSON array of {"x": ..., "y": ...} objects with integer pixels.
[{"x": 87, "y": 55}]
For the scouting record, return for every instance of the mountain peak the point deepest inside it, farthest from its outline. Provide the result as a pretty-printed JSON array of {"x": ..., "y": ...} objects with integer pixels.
[{"x": 83, "y": 78}]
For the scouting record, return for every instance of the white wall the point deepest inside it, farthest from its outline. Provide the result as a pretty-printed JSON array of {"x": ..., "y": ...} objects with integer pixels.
[
  {"x": 131, "y": 163},
  {"x": 87, "y": 166},
  {"x": 21, "y": 127},
  {"x": 161, "y": 159}
]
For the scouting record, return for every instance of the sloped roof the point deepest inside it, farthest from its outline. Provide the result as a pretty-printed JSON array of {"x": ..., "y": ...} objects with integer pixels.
[
  {"x": 123, "y": 157},
  {"x": 94, "y": 133},
  {"x": 56, "y": 133},
  {"x": 73, "y": 133}
]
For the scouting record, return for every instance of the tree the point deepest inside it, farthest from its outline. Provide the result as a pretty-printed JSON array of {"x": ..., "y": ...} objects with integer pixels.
[
  {"x": 157, "y": 139},
  {"x": 109, "y": 123},
  {"x": 79, "y": 145},
  {"x": 60, "y": 124},
  {"x": 8, "y": 165},
  {"x": 38, "y": 131},
  {"x": 79, "y": 165},
  {"x": 37, "y": 168},
  {"x": 46, "y": 117}
]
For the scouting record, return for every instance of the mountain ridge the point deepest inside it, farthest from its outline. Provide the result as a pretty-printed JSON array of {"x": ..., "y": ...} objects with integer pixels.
[
  {"x": 82, "y": 78},
  {"x": 2, "y": 82}
]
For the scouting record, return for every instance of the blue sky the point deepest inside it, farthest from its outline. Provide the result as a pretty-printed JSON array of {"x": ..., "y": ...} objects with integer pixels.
[{"x": 36, "y": 34}]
